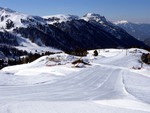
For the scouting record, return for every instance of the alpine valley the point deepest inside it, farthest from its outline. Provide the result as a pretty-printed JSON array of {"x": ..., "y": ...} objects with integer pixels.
[{"x": 140, "y": 31}]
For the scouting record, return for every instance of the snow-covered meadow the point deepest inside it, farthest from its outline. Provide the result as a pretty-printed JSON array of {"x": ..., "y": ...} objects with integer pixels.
[{"x": 52, "y": 84}]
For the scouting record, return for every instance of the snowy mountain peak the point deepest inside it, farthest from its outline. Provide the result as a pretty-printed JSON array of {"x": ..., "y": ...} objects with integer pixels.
[
  {"x": 94, "y": 17},
  {"x": 92, "y": 14},
  {"x": 121, "y": 22},
  {"x": 59, "y": 18}
]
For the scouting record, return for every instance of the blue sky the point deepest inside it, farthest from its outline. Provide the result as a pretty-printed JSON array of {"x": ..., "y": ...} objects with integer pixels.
[{"x": 131, "y": 10}]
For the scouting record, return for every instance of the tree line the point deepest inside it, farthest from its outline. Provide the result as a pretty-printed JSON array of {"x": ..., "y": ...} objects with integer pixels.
[{"x": 27, "y": 58}]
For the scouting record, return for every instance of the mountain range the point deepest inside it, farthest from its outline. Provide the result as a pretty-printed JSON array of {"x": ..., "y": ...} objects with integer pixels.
[
  {"x": 60, "y": 32},
  {"x": 138, "y": 30}
]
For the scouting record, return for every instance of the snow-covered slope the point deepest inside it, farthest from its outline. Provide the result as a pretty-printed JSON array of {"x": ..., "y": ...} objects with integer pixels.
[
  {"x": 10, "y": 23},
  {"x": 10, "y": 19},
  {"x": 27, "y": 45},
  {"x": 109, "y": 85}
]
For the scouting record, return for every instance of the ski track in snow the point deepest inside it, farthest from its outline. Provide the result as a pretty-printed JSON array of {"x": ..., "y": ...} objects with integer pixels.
[{"x": 108, "y": 86}]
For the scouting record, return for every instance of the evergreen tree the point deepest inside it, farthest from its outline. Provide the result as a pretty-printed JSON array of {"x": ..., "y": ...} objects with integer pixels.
[{"x": 95, "y": 53}]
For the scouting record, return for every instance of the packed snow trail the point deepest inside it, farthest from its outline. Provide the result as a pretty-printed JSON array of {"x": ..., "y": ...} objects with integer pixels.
[
  {"x": 65, "y": 107},
  {"x": 108, "y": 86},
  {"x": 90, "y": 85}
]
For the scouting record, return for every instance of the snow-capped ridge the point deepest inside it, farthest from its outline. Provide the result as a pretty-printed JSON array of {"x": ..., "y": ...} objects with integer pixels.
[
  {"x": 17, "y": 19},
  {"x": 63, "y": 18},
  {"x": 60, "y": 18},
  {"x": 93, "y": 17}
]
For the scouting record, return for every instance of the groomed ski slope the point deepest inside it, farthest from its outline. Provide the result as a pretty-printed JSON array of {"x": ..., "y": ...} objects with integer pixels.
[{"x": 109, "y": 85}]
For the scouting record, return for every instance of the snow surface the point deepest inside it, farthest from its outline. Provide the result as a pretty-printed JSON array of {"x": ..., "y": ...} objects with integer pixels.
[
  {"x": 95, "y": 17},
  {"x": 59, "y": 18},
  {"x": 27, "y": 45},
  {"x": 52, "y": 84},
  {"x": 16, "y": 17}
]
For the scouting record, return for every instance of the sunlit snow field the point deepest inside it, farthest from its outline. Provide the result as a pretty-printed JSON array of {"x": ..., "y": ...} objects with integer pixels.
[{"x": 108, "y": 85}]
